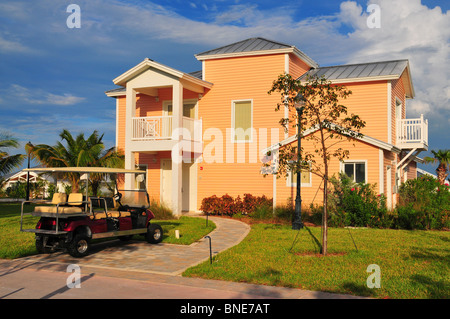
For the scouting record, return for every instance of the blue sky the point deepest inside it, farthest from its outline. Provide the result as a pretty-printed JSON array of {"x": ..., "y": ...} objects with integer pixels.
[{"x": 53, "y": 77}]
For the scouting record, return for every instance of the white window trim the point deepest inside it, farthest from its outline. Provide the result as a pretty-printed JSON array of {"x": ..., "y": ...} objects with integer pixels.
[
  {"x": 356, "y": 161},
  {"x": 294, "y": 184},
  {"x": 232, "y": 121}
]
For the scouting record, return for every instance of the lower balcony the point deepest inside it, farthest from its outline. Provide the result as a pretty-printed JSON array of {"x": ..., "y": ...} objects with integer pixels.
[{"x": 412, "y": 133}]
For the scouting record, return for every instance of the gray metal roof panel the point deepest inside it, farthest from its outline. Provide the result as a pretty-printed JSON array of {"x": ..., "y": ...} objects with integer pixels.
[
  {"x": 248, "y": 45},
  {"x": 361, "y": 70}
]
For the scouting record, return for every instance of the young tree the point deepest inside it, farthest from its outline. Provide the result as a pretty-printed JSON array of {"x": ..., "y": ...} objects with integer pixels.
[
  {"x": 326, "y": 119},
  {"x": 443, "y": 158}
]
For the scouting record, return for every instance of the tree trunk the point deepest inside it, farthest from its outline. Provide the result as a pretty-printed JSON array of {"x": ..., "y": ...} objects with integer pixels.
[
  {"x": 325, "y": 218},
  {"x": 441, "y": 174}
]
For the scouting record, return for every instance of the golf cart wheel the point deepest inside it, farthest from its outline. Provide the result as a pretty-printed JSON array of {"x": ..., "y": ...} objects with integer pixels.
[
  {"x": 40, "y": 246},
  {"x": 79, "y": 246},
  {"x": 154, "y": 234}
]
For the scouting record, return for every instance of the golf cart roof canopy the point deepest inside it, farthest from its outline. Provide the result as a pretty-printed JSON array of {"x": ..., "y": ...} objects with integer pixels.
[{"x": 82, "y": 170}]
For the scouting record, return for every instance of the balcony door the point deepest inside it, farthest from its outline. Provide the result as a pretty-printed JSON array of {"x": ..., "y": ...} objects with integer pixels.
[{"x": 188, "y": 110}]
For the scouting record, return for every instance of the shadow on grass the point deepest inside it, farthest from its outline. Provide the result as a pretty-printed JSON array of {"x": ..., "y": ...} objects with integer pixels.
[
  {"x": 358, "y": 289},
  {"x": 436, "y": 289}
]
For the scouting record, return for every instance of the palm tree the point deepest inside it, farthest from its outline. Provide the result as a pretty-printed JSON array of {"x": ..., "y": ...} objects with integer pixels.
[
  {"x": 77, "y": 152},
  {"x": 443, "y": 158},
  {"x": 108, "y": 158},
  {"x": 9, "y": 162}
]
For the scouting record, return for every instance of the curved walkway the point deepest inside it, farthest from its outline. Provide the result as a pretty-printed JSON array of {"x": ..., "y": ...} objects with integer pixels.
[{"x": 165, "y": 259}]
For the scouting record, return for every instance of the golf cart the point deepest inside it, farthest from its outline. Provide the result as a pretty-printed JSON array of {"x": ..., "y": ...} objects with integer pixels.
[{"x": 72, "y": 221}]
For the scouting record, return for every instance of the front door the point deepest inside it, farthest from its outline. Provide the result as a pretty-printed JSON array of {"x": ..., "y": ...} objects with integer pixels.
[{"x": 166, "y": 184}]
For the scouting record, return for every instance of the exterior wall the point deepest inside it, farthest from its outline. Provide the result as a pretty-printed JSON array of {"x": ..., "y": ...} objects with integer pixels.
[
  {"x": 369, "y": 101},
  {"x": 296, "y": 68},
  {"x": 398, "y": 92},
  {"x": 314, "y": 193},
  {"x": 412, "y": 170},
  {"x": 121, "y": 102},
  {"x": 243, "y": 78}
]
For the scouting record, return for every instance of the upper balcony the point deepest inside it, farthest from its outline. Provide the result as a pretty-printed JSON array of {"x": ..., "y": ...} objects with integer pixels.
[
  {"x": 158, "y": 133},
  {"x": 412, "y": 133},
  {"x": 152, "y": 128}
]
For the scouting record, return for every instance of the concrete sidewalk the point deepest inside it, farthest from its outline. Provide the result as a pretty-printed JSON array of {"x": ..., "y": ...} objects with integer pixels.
[{"x": 138, "y": 270}]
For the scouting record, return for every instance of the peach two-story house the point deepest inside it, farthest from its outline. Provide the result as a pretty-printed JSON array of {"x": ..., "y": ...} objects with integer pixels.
[{"x": 207, "y": 132}]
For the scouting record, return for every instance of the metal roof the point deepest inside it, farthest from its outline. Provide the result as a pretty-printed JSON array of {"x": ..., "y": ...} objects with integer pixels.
[
  {"x": 248, "y": 45},
  {"x": 254, "y": 46},
  {"x": 359, "y": 71}
]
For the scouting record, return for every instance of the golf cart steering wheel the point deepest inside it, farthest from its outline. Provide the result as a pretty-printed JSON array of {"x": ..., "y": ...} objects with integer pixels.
[{"x": 118, "y": 197}]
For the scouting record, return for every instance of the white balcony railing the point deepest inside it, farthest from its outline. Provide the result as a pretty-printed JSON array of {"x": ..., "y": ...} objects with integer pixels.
[
  {"x": 412, "y": 133},
  {"x": 161, "y": 128}
]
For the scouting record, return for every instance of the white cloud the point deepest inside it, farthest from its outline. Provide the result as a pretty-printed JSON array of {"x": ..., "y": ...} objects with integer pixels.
[
  {"x": 409, "y": 30},
  {"x": 37, "y": 96},
  {"x": 8, "y": 46}
]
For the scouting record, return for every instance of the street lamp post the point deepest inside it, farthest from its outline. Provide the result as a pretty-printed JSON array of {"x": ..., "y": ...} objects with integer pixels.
[
  {"x": 28, "y": 173},
  {"x": 297, "y": 222}
]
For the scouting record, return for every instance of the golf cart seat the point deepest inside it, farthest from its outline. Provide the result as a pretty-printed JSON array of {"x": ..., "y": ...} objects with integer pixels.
[
  {"x": 106, "y": 210},
  {"x": 66, "y": 206}
]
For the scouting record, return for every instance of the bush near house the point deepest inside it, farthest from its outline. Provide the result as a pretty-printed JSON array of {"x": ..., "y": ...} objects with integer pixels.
[
  {"x": 424, "y": 204},
  {"x": 227, "y": 205},
  {"x": 357, "y": 204}
]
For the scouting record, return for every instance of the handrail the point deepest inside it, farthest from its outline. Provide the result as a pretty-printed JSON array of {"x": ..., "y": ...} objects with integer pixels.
[
  {"x": 412, "y": 130},
  {"x": 161, "y": 127}
]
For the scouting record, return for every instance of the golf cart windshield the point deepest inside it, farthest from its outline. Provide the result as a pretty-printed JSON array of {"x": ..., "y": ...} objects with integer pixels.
[{"x": 134, "y": 198}]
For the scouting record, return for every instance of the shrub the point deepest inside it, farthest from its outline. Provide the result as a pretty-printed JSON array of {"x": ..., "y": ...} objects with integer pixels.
[
  {"x": 227, "y": 205},
  {"x": 423, "y": 204},
  {"x": 355, "y": 204},
  {"x": 160, "y": 210}
]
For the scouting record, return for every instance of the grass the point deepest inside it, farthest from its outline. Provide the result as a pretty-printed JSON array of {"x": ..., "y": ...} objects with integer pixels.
[
  {"x": 15, "y": 244},
  {"x": 413, "y": 264}
]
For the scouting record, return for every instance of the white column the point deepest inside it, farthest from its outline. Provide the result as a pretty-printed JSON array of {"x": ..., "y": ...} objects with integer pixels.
[
  {"x": 129, "y": 114},
  {"x": 177, "y": 163}
]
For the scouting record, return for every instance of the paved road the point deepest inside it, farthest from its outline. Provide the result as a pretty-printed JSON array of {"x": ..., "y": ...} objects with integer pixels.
[{"x": 137, "y": 270}]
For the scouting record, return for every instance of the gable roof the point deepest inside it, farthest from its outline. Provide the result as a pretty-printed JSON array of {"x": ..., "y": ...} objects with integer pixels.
[
  {"x": 384, "y": 70},
  {"x": 122, "y": 90},
  {"x": 254, "y": 46}
]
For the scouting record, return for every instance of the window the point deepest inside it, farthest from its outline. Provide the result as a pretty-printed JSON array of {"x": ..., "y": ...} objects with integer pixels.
[
  {"x": 188, "y": 110},
  {"x": 305, "y": 179},
  {"x": 356, "y": 170},
  {"x": 242, "y": 120}
]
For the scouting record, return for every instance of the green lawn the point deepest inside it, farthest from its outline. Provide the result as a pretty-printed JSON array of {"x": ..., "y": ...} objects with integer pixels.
[
  {"x": 14, "y": 243},
  {"x": 413, "y": 264}
]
